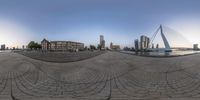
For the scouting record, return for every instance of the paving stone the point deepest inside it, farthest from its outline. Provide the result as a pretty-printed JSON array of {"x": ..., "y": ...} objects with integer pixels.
[{"x": 108, "y": 76}]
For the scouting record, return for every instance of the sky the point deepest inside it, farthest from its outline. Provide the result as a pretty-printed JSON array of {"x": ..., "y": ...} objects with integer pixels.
[{"x": 120, "y": 21}]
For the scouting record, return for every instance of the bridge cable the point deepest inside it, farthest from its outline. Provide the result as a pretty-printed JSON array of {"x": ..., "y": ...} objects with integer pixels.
[{"x": 154, "y": 35}]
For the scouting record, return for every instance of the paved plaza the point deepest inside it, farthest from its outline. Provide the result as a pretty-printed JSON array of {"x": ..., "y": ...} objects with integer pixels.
[
  {"x": 61, "y": 57},
  {"x": 109, "y": 76}
]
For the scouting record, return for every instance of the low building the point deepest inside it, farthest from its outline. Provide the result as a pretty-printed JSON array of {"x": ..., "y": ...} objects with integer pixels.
[
  {"x": 61, "y": 45},
  {"x": 114, "y": 47},
  {"x": 66, "y": 45}
]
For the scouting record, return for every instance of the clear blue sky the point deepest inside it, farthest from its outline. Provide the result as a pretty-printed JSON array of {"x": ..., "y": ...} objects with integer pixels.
[{"x": 120, "y": 21}]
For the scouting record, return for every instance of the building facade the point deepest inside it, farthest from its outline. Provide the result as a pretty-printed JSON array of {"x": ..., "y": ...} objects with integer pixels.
[
  {"x": 61, "y": 45},
  {"x": 102, "y": 41},
  {"x": 195, "y": 47},
  {"x": 111, "y": 44},
  {"x": 3, "y": 47},
  {"x": 144, "y": 42},
  {"x": 137, "y": 44},
  {"x": 45, "y": 44},
  {"x": 114, "y": 47}
]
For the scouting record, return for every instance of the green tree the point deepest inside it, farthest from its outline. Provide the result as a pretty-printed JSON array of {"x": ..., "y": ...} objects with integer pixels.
[
  {"x": 99, "y": 46},
  {"x": 31, "y": 45},
  {"x": 34, "y": 45},
  {"x": 92, "y": 47}
]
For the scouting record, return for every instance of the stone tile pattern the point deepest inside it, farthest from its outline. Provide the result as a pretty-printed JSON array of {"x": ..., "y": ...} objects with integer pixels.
[
  {"x": 110, "y": 76},
  {"x": 61, "y": 57}
]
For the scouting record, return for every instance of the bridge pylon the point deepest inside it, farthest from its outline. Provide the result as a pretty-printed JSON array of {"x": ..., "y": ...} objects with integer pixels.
[{"x": 166, "y": 43}]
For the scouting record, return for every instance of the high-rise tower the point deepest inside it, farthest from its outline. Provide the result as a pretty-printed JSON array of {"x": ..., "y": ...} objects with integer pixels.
[{"x": 102, "y": 41}]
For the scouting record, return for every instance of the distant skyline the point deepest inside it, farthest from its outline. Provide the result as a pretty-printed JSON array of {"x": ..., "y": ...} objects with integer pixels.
[{"x": 120, "y": 21}]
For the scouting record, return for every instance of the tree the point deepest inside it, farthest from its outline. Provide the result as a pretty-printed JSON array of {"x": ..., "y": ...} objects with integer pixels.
[
  {"x": 132, "y": 49},
  {"x": 99, "y": 46},
  {"x": 85, "y": 48},
  {"x": 31, "y": 45},
  {"x": 92, "y": 47},
  {"x": 34, "y": 45},
  {"x": 126, "y": 49}
]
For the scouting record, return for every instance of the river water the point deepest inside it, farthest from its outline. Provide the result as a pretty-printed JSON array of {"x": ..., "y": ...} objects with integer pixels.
[{"x": 163, "y": 54}]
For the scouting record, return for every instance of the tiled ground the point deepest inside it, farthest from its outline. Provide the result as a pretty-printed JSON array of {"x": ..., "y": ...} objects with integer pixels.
[
  {"x": 61, "y": 57},
  {"x": 110, "y": 76}
]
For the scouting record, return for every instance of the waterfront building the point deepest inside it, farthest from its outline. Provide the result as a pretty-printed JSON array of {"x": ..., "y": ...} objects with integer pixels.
[
  {"x": 144, "y": 42},
  {"x": 102, "y": 41},
  {"x": 136, "y": 42},
  {"x": 61, "y": 45},
  {"x": 152, "y": 46},
  {"x": 147, "y": 42},
  {"x": 114, "y": 47},
  {"x": 66, "y": 45},
  {"x": 22, "y": 47},
  {"x": 45, "y": 44},
  {"x": 111, "y": 44},
  {"x": 195, "y": 47},
  {"x": 157, "y": 46},
  {"x": 3, "y": 47},
  {"x": 103, "y": 44}
]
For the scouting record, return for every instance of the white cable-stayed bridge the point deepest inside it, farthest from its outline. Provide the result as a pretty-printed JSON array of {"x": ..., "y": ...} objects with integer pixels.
[{"x": 168, "y": 39}]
